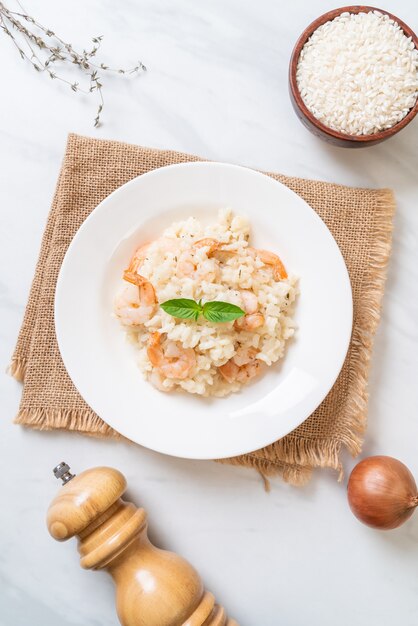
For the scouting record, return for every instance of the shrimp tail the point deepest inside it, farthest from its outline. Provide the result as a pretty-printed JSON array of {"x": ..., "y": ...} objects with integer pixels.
[
  {"x": 271, "y": 259},
  {"x": 173, "y": 361},
  {"x": 210, "y": 243},
  {"x": 279, "y": 272},
  {"x": 132, "y": 277},
  {"x": 154, "y": 350}
]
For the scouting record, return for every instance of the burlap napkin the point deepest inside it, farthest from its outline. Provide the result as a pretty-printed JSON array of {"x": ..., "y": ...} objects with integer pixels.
[{"x": 359, "y": 219}]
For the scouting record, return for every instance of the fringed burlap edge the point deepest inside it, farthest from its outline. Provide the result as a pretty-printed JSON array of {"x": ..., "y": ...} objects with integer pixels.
[
  {"x": 300, "y": 456},
  {"x": 76, "y": 420},
  {"x": 17, "y": 368}
]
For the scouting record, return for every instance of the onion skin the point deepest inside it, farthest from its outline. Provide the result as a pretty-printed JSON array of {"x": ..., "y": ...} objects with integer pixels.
[{"x": 382, "y": 492}]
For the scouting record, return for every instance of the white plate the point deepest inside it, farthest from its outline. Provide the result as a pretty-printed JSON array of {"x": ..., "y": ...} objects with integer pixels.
[{"x": 101, "y": 362}]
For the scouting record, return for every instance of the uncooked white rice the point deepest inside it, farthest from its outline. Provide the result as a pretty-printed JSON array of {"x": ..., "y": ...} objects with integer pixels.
[
  {"x": 358, "y": 73},
  {"x": 224, "y": 280}
]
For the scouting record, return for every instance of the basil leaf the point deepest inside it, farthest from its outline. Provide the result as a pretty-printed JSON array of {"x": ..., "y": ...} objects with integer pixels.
[
  {"x": 213, "y": 311},
  {"x": 183, "y": 308},
  {"x": 221, "y": 311}
]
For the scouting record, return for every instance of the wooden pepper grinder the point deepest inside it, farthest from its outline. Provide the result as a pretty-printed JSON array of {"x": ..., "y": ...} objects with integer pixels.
[{"x": 153, "y": 587}]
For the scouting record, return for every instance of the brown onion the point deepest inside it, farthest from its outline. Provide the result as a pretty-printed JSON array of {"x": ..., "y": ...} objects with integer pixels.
[{"x": 382, "y": 492}]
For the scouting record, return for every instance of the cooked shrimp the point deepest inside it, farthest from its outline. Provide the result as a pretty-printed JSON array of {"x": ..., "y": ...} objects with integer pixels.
[
  {"x": 241, "y": 374},
  {"x": 174, "y": 361},
  {"x": 136, "y": 306},
  {"x": 132, "y": 307},
  {"x": 136, "y": 262},
  {"x": 244, "y": 355},
  {"x": 208, "y": 242},
  {"x": 216, "y": 248},
  {"x": 269, "y": 258},
  {"x": 136, "y": 303},
  {"x": 202, "y": 269},
  {"x": 139, "y": 257},
  {"x": 249, "y": 322},
  {"x": 249, "y": 301},
  {"x": 252, "y": 319},
  {"x": 188, "y": 265}
]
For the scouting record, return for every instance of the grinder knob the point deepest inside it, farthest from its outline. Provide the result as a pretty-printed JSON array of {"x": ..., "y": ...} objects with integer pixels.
[{"x": 81, "y": 501}]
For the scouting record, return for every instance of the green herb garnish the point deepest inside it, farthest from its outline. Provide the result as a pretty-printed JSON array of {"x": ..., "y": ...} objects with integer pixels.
[
  {"x": 221, "y": 311},
  {"x": 213, "y": 311},
  {"x": 183, "y": 308}
]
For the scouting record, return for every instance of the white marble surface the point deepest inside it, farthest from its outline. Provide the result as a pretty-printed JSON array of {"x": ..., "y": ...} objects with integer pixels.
[{"x": 216, "y": 86}]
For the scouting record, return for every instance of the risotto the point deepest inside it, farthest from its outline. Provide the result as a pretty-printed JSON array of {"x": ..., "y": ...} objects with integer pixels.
[{"x": 206, "y": 264}]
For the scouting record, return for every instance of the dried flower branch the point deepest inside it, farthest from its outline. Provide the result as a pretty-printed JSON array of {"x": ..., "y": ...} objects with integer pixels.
[{"x": 42, "y": 48}]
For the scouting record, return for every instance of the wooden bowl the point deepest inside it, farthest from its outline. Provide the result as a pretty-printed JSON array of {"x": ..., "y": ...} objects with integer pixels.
[{"x": 309, "y": 120}]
